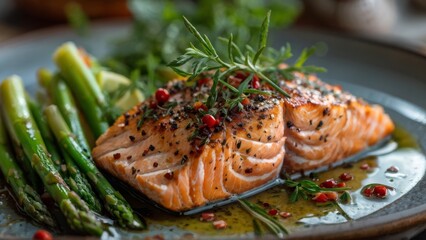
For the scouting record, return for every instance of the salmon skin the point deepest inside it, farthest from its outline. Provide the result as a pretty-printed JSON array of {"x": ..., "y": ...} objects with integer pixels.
[
  {"x": 168, "y": 155},
  {"x": 325, "y": 124}
]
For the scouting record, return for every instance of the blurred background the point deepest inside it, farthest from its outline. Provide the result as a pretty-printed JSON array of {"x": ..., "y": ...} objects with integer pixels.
[
  {"x": 400, "y": 20},
  {"x": 157, "y": 34}
]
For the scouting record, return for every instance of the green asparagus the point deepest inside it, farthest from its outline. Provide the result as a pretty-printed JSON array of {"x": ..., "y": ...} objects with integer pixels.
[
  {"x": 67, "y": 168},
  {"x": 61, "y": 96},
  {"x": 49, "y": 140},
  {"x": 22, "y": 125},
  {"x": 114, "y": 202},
  {"x": 22, "y": 160},
  {"x": 44, "y": 76},
  {"x": 82, "y": 83},
  {"x": 28, "y": 199}
]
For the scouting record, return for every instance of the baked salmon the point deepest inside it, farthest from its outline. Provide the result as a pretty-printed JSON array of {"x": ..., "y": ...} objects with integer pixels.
[
  {"x": 325, "y": 124},
  {"x": 168, "y": 154}
]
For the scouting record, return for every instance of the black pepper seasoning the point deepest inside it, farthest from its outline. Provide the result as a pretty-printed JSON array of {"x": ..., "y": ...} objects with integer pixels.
[{"x": 116, "y": 156}]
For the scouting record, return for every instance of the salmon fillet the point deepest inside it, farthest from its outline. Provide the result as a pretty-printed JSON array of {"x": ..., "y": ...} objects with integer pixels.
[
  {"x": 325, "y": 124},
  {"x": 165, "y": 154}
]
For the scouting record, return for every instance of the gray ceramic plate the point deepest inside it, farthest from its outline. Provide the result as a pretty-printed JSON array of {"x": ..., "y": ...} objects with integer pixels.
[{"x": 381, "y": 73}]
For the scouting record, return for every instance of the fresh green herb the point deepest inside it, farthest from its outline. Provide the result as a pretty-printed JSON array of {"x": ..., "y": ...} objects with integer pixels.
[
  {"x": 345, "y": 197},
  {"x": 158, "y": 35},
  {"x": 158, "y": 30},
  {"x": 207, "y": 58},
  {"x": 260, "y": 214},
  {"x": 257, "y": 228},
  {"x": 147, "y": 114},
  {"x": 304, "y": 188},
  {"x": 342, "y": 211}
]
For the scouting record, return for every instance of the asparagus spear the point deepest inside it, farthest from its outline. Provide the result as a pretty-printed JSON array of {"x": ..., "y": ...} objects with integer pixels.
[
  {"x": 83, "y": 84},
  {"x": 49, "y": 141},
  {"x": 22, "y": 160},
  {"x": 22, "y": 124},
  {"x": 44, "y": 77},
  {"x": 69, "y": 171},
  {"x": 114, "y": 202},
  {"x": 27, "y": 198},
  {"x": 62, "y": 97}
]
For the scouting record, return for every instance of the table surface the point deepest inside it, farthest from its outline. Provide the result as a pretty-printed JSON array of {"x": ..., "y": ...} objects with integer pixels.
[{"x": 409, "y": 30}]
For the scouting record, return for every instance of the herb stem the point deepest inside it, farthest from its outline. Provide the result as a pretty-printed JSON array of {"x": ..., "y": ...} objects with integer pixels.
[
  {"x": 343, "y": 212},
  {"x": 271, "y": 223}
]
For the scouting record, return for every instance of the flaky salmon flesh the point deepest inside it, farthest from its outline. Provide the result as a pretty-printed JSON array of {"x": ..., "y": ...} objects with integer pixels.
[
  {"x": 325, "y": 124},
  {"x": 168, "y": 155},
  {"x": 163, "y": 160}
]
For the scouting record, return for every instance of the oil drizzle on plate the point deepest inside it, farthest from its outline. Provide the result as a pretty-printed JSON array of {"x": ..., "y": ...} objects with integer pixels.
[{"x": 306, "y": 212}]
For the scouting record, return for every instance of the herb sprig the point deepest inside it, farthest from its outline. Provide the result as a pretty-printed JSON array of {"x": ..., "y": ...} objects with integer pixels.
[
  {"x": 304, "y": 188},
  {"x": 271, "y": 223},
  {"x": 265, "y": 63},
  {"x": 207, "y": 58}
]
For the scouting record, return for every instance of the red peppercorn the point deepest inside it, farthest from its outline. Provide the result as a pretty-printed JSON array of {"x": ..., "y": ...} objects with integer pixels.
[
  {"x": 203, "y": 81},
  {"x": 380, "y": 191},
  {"x": 169, "y": 175},
  {"x": 365, "y": 166},
  {"x": 329, "y": 183},
  {"x": 346, "y": 176},
  {"x": 162, "y": 95},
  {"x": 42, "y": 235},
  {"x": 234, "y": 81},
  {"x": 255, "y": 83},
  {"x": 241, "y": 75},
  {"x": 266, "y": 205},
  {"x": 392, "y": 169},
  {"x": 209, "y": 120},
  {"x": 285, "y": 214},
  {"x": 320, "y": 198},
  {"x": 207, "y": 217},
  {"x": 331, "y": 195},
  {"x": 199, "y": 105},
  {"x": 368, "y": 192},
  {"x": 245, "y": 101},
  {"x": 220, "y": 224},
  {"x": 273, "y": 212},
  {"x": 341, "y": 185},
  {"x": 152, "y": 104}
]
